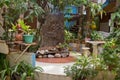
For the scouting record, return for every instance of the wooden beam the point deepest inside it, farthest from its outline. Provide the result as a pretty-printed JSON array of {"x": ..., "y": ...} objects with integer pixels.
[{"x": 110, "y": 7}]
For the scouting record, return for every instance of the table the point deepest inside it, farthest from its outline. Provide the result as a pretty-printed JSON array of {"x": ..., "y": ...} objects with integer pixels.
[
  {"x": 25, "y": 44},
  {"x": 95, "y": 46}
]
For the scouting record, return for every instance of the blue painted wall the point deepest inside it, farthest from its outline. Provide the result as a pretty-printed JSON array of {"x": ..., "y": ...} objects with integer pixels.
[{"x": 68, "y": 12}]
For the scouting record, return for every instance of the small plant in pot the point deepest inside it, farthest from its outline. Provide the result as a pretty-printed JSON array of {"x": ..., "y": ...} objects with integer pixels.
[
  {"x": 17, "y": 29},
  {"x": 28, "y": 32},
  {"x": 6, "y": 73},
  {"x": 28, "y": 35},
  {"x": 24, "y": 31},
  {"x": 26, "y": 71}
]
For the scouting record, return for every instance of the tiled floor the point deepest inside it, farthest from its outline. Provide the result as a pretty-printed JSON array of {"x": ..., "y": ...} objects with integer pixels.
[
  {"x": 57, "y": 60},
  {"x": 54, "y": 71},
  {"x": 56, "y": 68}
]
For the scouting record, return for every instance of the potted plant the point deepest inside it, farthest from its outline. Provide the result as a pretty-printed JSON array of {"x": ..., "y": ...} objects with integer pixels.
[
  {"x": 28, "y": 32},
  {"x": 26, "y": 71},
  {"x": 6, "y": 73},
  {"x": 16, "y": 28},
  {"x": 85, "y": 68},
  {"x": 25, "y": 30}
]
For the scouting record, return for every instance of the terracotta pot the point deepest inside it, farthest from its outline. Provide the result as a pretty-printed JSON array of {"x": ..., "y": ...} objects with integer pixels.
[
  {"x": 28, "y": 78},
  {"x": 19, "y": 37},
  {"x": 8, "y": 78}
]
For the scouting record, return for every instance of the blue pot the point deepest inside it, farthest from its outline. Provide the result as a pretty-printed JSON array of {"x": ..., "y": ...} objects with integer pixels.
[{"x": 28, "y": 38}]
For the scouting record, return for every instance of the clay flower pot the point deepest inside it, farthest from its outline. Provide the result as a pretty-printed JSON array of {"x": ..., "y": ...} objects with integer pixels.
[
  {"x": 19, "y": 37},
  {"x": 28, "y": 78}
]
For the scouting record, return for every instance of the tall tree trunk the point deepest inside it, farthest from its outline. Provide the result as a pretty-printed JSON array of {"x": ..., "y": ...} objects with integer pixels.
[{"x": 88, "y": 21}]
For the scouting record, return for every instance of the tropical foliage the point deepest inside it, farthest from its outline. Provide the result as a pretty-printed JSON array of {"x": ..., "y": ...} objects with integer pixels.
[
  {"x": 12, "y": 10},
  {"x": 85, "y": 67},
  {"x": 26, "y": 70}
]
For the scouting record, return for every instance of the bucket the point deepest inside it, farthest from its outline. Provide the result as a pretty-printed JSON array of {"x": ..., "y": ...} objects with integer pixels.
[{"x": 28, "y": 38}]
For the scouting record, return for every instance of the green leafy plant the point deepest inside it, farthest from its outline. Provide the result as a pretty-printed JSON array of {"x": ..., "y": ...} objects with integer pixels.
[
  {"x": 117, "y": 77},
  {"x": 63, "y": 45},
  {"x": 115, "y": 18},
  {"x": 68, "y": 36},
  {"x": 60, "y": 5},
  {"x": 12, "y": 11},
  {"x": 2, "y": 58},
  {"x": 7, "y": 72},
  {"x": 111, "y": 54},
  {"x": 95, "y": 8},
  {"x": 96, "y": 36},
  {"x": 21, "y": 25},
  {"x": 26, "y": 70},
  {"x": 26, "y": 28},
  {"x": 85, "y": 67}
]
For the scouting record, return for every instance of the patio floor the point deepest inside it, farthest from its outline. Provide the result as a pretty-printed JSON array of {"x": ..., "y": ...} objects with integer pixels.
[
  {"x": 53, "y": 68},
  {"x": 56, "y": 68}
]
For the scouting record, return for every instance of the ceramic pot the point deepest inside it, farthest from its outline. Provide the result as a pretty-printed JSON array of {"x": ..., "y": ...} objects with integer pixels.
[
  {"x": 8, "y": 78},
  {"x": 19, "y": 37},
  {"x": 28, "y": 78},
  {"x": 28, "y": 38}
]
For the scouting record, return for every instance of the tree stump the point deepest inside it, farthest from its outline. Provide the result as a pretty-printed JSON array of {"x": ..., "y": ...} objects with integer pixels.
[{"x": 52, "y": 31}]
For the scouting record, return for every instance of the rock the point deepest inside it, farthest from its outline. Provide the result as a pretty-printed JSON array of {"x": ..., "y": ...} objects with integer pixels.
[
  {"x": 45, "y": 56},
  {"x": 37, "y": 54},
  {"x": 50, "y": 56},
  {"x": 57, "y": 55},
  {"x": 40, "y": 56},
  {"x": 46, "y": 51},
  {"x": 42, "y": 51},
  {"x": 64, "y": 54},
  {"x": 65, "y": 50}
]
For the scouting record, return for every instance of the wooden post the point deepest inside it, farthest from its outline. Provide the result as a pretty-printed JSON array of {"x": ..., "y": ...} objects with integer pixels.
[
  {"x": 117, "y": 3},
  {"x": 88, "y": 21},
  {"x": 80, "y": 22}
]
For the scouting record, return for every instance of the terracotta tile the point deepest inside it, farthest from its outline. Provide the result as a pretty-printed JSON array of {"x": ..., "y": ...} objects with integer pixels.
[{"x": 57, "y": 60}]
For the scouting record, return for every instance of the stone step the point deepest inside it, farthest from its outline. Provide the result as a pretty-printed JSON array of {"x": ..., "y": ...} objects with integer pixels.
[{"x": 47, "y": 76}]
